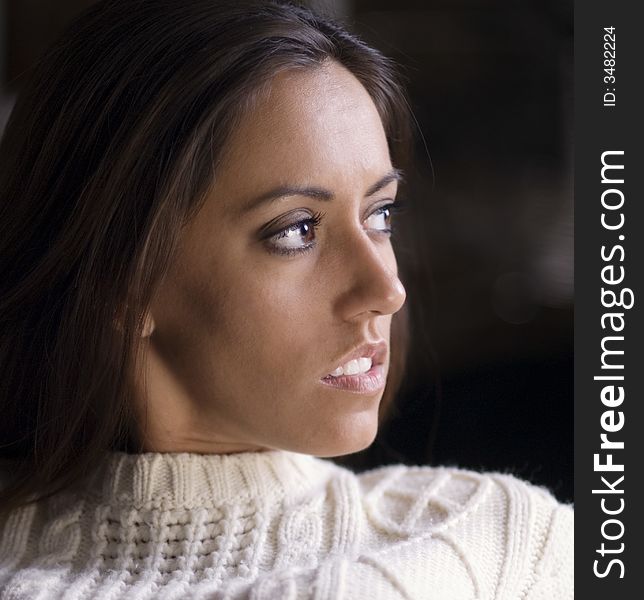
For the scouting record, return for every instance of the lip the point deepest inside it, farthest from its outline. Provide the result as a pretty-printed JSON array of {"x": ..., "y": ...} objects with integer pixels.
[{"x": 371, "y": 381}]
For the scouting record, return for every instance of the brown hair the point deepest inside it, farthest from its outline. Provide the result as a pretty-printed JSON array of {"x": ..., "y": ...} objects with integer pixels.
[{"x": 109, "y": 150}]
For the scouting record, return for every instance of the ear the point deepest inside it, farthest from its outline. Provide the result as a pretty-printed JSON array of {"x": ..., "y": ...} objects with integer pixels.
[{"x": 148, "y": 325}]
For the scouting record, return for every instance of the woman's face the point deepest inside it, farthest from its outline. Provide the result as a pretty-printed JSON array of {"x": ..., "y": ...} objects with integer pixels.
[{"x": 272, "y": 289}]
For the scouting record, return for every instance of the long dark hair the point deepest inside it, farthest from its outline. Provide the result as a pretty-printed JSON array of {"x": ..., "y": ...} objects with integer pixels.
[{"x": 110, "y": 149}]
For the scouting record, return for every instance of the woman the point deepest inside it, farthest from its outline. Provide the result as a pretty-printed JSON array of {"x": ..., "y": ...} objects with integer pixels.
[{"x": 199, "y": 302}]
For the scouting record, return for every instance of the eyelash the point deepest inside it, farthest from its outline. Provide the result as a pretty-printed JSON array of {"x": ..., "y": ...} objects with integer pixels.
[{"x": 314, "y": 221}]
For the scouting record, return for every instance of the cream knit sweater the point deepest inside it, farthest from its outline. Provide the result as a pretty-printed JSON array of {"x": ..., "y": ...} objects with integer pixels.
[{"x": 284, "y": 526}]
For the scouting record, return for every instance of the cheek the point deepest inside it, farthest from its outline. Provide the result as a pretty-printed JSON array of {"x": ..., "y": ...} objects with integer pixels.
[{"x": 265, "y": 320}]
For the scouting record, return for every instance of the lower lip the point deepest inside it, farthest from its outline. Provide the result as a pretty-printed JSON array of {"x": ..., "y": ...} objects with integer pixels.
[{"x": 365, "y": 383}]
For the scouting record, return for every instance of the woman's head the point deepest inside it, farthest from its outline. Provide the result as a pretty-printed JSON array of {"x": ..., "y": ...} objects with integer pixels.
[
  {"x": 148, "y": 300},
  {"x": 260, "y": 303}
]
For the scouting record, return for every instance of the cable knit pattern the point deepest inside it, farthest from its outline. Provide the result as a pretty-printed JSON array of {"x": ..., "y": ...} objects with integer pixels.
[{"x": 279, "y": 525}]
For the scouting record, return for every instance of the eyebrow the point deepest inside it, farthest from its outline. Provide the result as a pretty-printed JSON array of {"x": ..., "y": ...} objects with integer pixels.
[{"x": 317, "y": 193}]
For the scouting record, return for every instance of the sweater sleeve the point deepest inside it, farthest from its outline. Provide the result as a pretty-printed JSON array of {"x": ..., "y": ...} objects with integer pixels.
[
  {"x": 554, "y": 572},
  {"x": 538, "y": 552}
]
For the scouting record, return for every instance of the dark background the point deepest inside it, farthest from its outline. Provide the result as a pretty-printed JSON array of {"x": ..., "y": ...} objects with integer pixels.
[{"x": 486, "y": 246}]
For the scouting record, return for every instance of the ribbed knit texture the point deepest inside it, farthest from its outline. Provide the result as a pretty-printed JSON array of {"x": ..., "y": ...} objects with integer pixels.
[{"x": 284, "y": 526}]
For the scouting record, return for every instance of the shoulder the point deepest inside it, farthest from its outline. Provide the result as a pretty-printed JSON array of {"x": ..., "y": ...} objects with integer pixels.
[
  {"x": 508, "y": 537},
  {"x": 440, "y": 497}
]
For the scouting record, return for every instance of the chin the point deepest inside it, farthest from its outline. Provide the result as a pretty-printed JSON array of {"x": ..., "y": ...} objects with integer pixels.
[{"x": 349, "y": 438}]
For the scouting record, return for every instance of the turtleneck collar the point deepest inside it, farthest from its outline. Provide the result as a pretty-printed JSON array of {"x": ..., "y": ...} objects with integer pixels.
[{"x": 190, "y": 480}]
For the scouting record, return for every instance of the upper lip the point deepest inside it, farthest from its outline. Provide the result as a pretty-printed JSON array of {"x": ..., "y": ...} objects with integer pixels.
[{"x": 376, "y": 351}]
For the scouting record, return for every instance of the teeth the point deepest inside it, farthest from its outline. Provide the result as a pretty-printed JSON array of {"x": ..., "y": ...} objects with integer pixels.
[
  {"x": 353, "y": 367},
  {"x": 365, "y": 364}
]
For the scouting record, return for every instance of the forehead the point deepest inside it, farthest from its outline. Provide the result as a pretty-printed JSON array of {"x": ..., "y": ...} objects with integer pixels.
[{"x": 311, "y": 127}]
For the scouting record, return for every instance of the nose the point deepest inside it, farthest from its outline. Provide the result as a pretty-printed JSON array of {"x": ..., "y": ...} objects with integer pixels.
[{"x": 372, "y": 284}]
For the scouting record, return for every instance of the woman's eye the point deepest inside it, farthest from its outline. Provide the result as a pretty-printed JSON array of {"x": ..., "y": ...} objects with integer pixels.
[
  {"x": 295, "y": 238},
  {"x": 300, "y": 236},
  {"x": 380, "y": 220}
]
